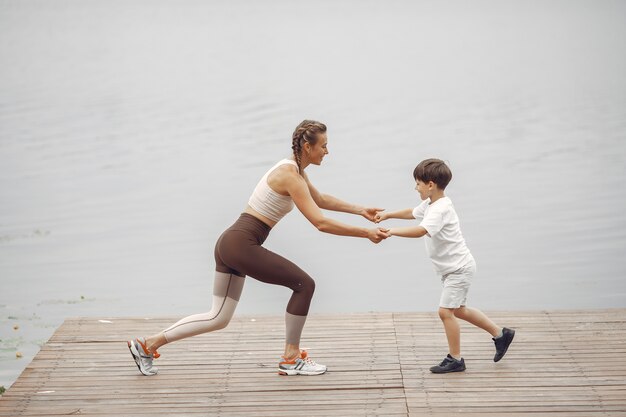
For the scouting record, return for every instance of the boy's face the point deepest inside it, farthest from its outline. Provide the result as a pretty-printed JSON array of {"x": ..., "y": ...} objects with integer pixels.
[{"x": 424, "y": 188}]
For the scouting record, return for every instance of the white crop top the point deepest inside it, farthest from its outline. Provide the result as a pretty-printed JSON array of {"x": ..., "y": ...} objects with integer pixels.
[{"x": 268, "y": 202}]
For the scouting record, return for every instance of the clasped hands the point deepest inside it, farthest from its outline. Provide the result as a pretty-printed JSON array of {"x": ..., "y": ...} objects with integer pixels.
[{"x": 375, "y": 215}]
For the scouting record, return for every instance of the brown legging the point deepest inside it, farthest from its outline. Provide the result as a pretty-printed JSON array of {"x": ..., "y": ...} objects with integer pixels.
[{"x": 238, "y": 252}]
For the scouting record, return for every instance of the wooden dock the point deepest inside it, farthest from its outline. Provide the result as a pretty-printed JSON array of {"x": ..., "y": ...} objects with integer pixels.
[{"x": 562, "y": 363}]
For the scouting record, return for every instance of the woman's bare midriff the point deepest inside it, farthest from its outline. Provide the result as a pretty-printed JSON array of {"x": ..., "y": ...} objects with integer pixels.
[{"x": 253, "y": 212}]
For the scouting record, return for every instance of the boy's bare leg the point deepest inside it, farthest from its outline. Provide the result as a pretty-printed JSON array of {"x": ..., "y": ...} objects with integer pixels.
[
  {"x": 453, "y": 330},
  {"x": 478, "y": 319}
]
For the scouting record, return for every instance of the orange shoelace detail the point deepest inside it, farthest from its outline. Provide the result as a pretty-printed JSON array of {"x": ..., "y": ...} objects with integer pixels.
[{"x": 154, "y": 354}]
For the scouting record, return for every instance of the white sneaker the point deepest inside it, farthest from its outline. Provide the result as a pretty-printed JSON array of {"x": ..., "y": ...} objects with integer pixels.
[
  {"x": 143, "y": 357},
  {"x": 302, "y": 365}
]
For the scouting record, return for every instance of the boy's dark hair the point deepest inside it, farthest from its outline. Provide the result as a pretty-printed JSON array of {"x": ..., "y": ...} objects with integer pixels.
[{"x": 434, "y": 170}]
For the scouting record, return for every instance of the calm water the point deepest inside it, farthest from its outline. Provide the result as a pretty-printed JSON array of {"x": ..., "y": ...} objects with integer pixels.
[{"x": 132, "y": 133}]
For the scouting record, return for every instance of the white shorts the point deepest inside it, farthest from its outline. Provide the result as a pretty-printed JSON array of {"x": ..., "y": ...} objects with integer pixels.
[{"x": 456, "y": 285}]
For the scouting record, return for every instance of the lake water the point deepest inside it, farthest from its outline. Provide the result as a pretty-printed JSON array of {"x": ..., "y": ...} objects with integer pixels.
[{"x": 133, "y": 132}]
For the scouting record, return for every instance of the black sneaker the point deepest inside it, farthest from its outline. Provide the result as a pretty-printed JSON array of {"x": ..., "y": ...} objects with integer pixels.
[
  {"x": 449, "y": 364},
  {"x": 503, "y": 342}
]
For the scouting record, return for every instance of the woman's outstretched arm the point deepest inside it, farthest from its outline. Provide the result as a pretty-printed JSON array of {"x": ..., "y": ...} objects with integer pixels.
[
  {"x": 298, "y": 189},
  {"x": 329, "y": 202}
]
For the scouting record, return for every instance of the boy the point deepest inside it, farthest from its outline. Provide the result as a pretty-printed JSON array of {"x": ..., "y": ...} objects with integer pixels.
[{"x": 451, "y": 258}]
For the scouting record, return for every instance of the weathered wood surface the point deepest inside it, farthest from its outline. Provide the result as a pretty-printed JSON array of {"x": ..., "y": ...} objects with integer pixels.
[{"x": 562, "y": 363}]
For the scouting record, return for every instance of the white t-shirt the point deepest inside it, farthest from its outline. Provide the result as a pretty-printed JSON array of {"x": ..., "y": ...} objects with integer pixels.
[{"x": 445, "y": 244}]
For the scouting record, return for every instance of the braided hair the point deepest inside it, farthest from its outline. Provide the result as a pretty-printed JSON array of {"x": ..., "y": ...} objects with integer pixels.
[{"x": 305, "y": 132}]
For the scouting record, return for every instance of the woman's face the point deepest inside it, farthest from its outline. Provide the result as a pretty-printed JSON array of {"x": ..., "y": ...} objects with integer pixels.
[{"x": 317, "y": 152}]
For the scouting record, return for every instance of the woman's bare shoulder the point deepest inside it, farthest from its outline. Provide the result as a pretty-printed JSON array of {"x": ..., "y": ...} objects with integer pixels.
[
  {"x": 285, "y": 172},
  {"x": 283, "y": 177}
]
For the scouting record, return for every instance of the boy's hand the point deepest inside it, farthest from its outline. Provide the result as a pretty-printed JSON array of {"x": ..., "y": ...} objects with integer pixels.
[
  {"x": 380, "y": 216},
  {"x": 370, "y": 213}
]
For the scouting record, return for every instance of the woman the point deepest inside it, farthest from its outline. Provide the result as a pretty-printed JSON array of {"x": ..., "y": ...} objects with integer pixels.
[{"x": 238, "y": 252}]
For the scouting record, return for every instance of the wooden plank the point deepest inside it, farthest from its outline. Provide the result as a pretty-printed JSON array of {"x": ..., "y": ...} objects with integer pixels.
[{"x": 562, "y": 363}]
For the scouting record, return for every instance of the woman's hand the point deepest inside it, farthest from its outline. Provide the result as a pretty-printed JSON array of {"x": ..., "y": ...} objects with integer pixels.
[
  {"x": 370, "y": 213},
  {"x": 377, "y": 235}
]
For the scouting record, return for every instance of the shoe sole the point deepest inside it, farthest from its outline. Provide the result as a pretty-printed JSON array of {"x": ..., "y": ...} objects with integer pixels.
[
  {"x": 137, "y": 360},
  {"x": 447, "y": 372},
  {"x": 506, "y": 347},
  {"x": 291, "y": 372}
]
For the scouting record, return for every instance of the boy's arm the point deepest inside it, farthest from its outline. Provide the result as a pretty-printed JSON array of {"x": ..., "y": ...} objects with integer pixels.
[
  {"x": 413, "y": 231},
  {"x": 406, "y": 214}
]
